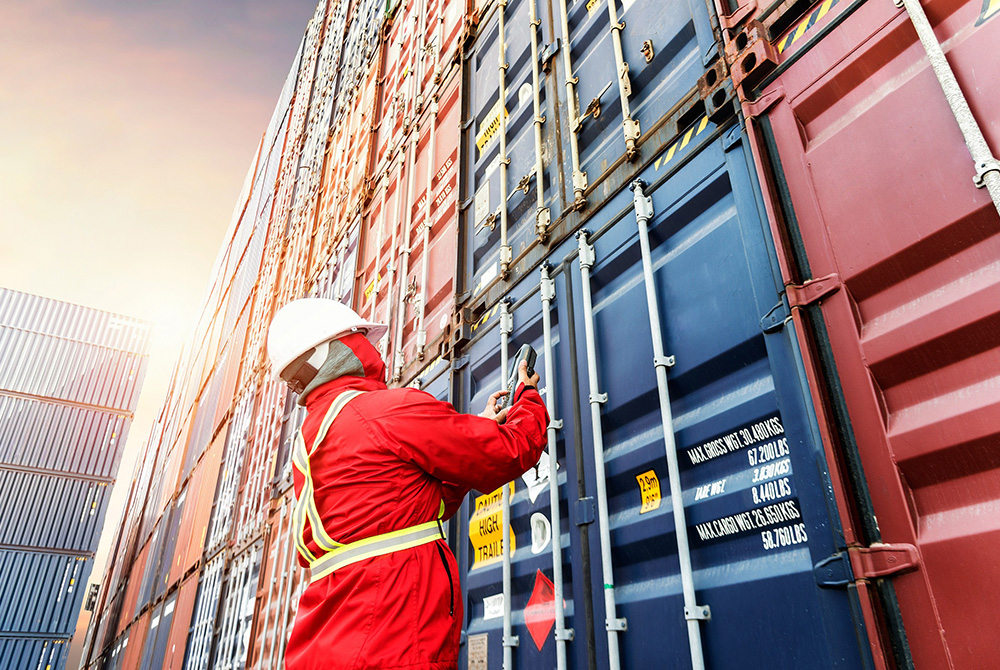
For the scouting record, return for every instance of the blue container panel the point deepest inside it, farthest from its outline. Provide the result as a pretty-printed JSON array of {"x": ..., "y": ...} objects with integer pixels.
[
  {"x": 30, "y": 654},
  {"x": 171, "y": 539},
  {"x": 753, "y": 473},
  {"x": 482, "y": 142},
  {"x": 47, "y": 512},
  {"x": 683, "y": 44},
  {"x": 149, "y": 648},
  {"x": 202, "y": 632},
  {"x": 155, "y": 651},
  {"x": 41, "y": 593},
  {"x": 478, "y": 378}
]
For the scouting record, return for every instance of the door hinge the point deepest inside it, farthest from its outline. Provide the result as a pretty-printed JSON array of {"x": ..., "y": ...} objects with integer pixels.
[
  {"x": 799, "y": 295},
  {"x": 857, "y": 563},
  {"x": 764, "y": 102}
]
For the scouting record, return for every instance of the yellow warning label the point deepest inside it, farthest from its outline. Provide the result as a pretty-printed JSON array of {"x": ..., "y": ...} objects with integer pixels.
[
  {"x": 990, "y": 8},
  {"x": 489, "y": 129},
  {"x": 649, "y": 489},
  {"x": 372, "y": 285},
  {"x": 592, "y": 6},
  {"x": 486, "y": 529}
]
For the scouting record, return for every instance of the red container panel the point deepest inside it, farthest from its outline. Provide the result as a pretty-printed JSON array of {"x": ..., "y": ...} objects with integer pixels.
[
  {"x": 134, "y": 643},
  {"x": 173, "y": 658},
  {"x": 134, "y": 585},
  {"x": 347, "y": 174},
  {"x": 417, "y": 60},
  {"x": 881, "y": 188}
]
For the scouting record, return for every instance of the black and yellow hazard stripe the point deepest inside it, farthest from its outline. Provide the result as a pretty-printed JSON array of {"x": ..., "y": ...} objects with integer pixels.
[
  {"x": 794, "y": 35},
  {"x": 679, "y": 145}
]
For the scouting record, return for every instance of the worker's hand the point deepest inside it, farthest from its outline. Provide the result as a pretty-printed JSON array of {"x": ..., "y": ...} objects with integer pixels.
[
  {"x": 491, "y": 408},
  {"x": 523, "y": 378}
]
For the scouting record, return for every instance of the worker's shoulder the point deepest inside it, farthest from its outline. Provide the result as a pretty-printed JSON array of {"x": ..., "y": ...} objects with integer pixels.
[{"x": 387, "y": 401}]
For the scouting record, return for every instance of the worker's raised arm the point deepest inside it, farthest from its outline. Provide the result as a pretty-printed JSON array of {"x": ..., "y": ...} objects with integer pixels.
[{"x": 463, "y": 450}]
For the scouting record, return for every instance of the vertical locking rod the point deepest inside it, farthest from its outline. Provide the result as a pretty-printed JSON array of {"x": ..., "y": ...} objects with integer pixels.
[
  {"x": 987, "y": 167},
  {"x": 548, "y": 294},
  {"x": 542, "y": 216},
  {"x": 509, "y": 640},
  {"x": 643, "y": 213},
  {"x": 629, "y": 125},
  {"x": 506, "y": 253},
  {"x": 579, "y": 177},
  {"x": 426, "y": 233},
  {"x": 613, "y": 624}
]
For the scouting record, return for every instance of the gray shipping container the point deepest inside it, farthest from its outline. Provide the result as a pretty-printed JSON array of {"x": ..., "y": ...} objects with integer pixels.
[
  {"x": 44, "y": 435},
  {"x": 49, "y": 512},
  {"x": 77, "y": 372},
  {"x": 26, "y": 312}
]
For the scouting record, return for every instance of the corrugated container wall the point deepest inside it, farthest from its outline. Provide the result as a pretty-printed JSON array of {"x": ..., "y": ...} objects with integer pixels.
[
  {"x": 882, "y": 220},
  {"x": 70, "y": 378},
  {"x": 663, "y": 197}
]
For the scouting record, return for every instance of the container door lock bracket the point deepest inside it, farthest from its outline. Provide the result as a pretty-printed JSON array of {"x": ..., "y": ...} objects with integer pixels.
[
  {"x": 874, "y": 562},
  {"x": 698, "y": 613},
  {"x": 799, "y": 295}
]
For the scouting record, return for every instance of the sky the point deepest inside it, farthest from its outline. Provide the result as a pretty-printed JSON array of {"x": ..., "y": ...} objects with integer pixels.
[{"x": 126, "y": 130}]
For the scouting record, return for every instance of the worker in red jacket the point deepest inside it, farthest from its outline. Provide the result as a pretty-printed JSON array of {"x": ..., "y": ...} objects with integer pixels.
[{"x": 377, "y": 471}]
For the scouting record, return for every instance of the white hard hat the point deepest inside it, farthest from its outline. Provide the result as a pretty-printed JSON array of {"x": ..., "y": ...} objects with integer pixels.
[{"x": 302, "y": 325}]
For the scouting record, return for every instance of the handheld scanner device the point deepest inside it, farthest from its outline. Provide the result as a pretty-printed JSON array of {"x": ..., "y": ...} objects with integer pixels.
[{"x": 525, "y": 353}]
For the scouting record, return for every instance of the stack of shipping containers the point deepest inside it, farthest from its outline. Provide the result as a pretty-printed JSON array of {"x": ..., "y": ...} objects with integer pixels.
[
  {"x": 748, "y": 245},
  {"x": 69, "y": 382}
]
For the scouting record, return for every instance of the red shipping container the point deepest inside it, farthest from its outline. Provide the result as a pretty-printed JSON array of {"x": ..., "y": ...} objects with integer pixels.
[
  {"x": 134, "y": 582},
  {"x": 346, "y": 186},
  {"x": 417, "y": 63},
  {"x": 197, "y": 510},
  {"x": 180, "y": 624},
  {"x": 872, "y": 196},
  {"x": 132, "y": 654},
  {"x": 420, "y": 206}
]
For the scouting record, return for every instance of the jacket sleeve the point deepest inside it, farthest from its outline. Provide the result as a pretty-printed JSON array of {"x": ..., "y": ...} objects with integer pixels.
[{"x": 462, "y": 450}]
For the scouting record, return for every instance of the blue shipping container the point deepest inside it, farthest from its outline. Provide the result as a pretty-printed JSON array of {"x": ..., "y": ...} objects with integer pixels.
[
  {"x": 41, "y": 593},
  {"x": 755, "y": 486}
]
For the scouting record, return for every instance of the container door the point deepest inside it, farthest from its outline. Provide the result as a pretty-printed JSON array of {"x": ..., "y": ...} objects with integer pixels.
[
  {"x": 532, "y": 521},
  {"x": 756, "y": 485},
  {"x": 887, "y": 213}
]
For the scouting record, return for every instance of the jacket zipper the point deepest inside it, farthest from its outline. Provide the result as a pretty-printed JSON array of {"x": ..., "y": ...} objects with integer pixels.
[{"x": 451, "y": 583}]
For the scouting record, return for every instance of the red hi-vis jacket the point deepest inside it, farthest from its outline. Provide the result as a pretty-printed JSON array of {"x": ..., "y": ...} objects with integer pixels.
[{"x": 388, "y": 461}]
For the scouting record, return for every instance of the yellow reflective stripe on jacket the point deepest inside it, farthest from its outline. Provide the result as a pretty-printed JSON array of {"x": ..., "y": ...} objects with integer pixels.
[
  {"x": 378, "y": 545},
  {"x": 305, "y": 507},
  {"x": 299, "y": 514}
]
